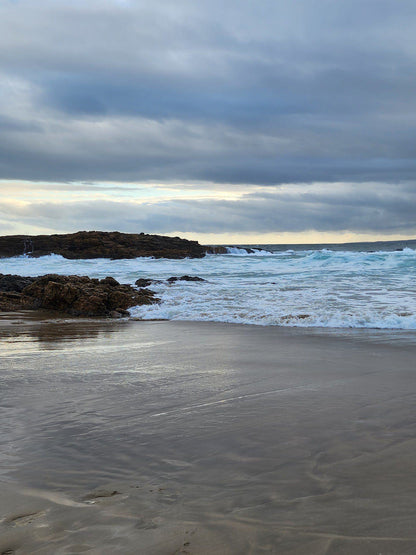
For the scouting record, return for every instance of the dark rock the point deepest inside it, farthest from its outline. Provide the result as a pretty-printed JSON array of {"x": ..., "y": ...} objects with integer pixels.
[
  {"x": 10, "y": 301},
  {"x": 118, "y": 313},
  {"x": 191, "y": 278},
  {"x": 10, "y": 282},
  {"x": 77, "y": 295},
  {"x": 184, "y": 278},
  {"x": 100, "y": 244},
  {"x": 109, "y": 281},
  {"x": 142, "y": 282},
  {"x": 215, "y": 249},
  {"x": 123, "y": 312}
]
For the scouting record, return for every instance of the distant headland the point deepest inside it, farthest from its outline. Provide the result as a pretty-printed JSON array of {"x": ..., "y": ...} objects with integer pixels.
[{"x": 103, "y": 244}]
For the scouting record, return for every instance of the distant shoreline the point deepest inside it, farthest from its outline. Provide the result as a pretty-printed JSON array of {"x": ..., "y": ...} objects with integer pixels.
[{"x": 116, "y": 245}]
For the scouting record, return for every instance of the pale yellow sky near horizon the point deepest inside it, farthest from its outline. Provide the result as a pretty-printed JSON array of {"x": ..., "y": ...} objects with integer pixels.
[
  {"x": 304, "y": 238},
  {"x": 44, "y": 208}
]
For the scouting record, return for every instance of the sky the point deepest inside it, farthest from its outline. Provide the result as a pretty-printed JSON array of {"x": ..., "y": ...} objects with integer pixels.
[{"x": 223, "y": 121}]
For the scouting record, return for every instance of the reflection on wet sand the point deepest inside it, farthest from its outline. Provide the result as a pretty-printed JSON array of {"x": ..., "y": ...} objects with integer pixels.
[
  {"x": 45, "y": 327},
  {"x": 164, "y": 437}
]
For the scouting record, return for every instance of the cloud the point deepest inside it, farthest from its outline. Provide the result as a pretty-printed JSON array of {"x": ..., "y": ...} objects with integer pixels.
[
  {"x": 325, "y": 207},
  {"x": 263, "y": 93}
]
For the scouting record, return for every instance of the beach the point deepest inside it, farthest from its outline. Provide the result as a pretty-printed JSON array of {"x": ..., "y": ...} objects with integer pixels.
[
  {"x": 163, "y": 437},
  {"x": 207, "y": 277}
]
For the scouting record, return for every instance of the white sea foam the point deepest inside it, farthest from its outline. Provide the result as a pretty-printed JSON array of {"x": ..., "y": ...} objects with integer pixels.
[
  {"x": 326, "y": 288},
  {"x": 240, "y": 251}
]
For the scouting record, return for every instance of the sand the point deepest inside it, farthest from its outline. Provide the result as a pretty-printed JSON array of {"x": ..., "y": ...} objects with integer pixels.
[{"x": 203, "y": 438}]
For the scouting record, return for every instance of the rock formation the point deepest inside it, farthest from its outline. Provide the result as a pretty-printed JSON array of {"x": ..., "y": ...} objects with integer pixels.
[
  {"x": 14, "y": 283},
  {"x": 217, "y": 249},
  {"x": 74, "y": 295},
  {"x": 147, "y": 282},
  {"x": 173, "y": 279},
  {"x": 101, "y": 244}
]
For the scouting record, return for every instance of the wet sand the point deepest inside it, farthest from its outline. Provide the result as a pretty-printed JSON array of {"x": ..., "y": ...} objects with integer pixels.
[{"x": 201, "y": 438}]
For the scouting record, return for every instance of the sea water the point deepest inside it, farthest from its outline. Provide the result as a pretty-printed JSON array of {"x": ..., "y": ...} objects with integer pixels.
[{"x": 362, "y": 285}]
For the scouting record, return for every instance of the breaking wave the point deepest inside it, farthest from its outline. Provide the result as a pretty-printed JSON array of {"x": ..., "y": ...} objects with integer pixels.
[{"x": 286, "y": 287}]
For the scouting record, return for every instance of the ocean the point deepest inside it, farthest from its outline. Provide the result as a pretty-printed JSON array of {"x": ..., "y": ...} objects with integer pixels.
[
  {"x": 209, "y": 437},
  {"x": 357, "y": 285}
]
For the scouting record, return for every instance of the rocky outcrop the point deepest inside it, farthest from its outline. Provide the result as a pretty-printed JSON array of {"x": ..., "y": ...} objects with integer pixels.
[
  {"x": 215, "y": 249},
  {"x": 10, "y": 301},
  {"x": 101, "y": 244},
  {"x": 74, "y": 295},
  {"x": 10, "y": 282},
  {"x": 184, "y": 278},
  {"x": 143, "y": 282},
  {"x": 146, "y": 282}
]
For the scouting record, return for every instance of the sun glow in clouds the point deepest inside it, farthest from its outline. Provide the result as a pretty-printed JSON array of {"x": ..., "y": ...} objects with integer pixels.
[
  {"x": 289, "y": 213},
  {"x": 229, "y": 121}
]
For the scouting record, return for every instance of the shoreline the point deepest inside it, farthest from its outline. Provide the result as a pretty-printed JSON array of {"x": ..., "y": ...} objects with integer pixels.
[
  {"x": 359, "y": 289},
  {"x": 203, "y": 438},
  {"x": 392, "y": 336}
]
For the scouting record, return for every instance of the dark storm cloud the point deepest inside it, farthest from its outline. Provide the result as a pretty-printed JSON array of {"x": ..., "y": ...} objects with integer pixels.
[{"x": 266, "y": 92}]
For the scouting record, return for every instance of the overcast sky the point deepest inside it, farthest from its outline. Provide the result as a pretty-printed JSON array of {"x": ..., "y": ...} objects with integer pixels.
[{"x": 217, "y": 120}]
